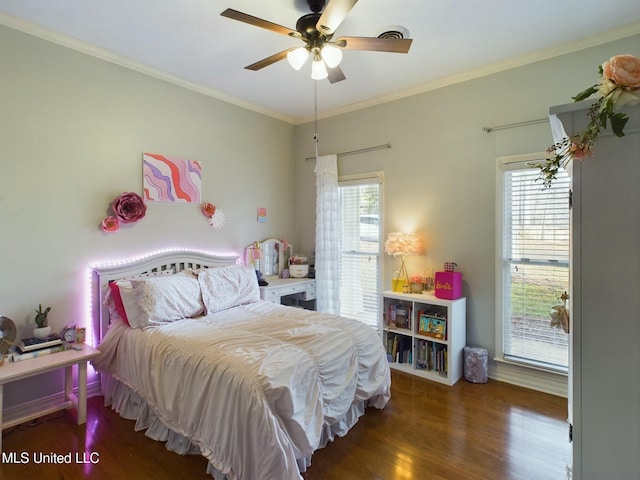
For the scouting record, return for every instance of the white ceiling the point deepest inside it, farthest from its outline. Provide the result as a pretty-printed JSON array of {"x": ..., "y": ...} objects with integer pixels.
[{"x": 188, "y": 42}]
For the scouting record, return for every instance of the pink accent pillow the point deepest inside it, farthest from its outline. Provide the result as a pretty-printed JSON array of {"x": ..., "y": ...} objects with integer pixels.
[
  {"x": 122, "y": 301},
  {"x": 128, "y": 309},
  {"x": 117, "y": 302}
]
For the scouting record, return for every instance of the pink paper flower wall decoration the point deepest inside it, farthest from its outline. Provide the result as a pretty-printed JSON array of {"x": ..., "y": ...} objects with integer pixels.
[
  {"x": 208, "y": 209},
  {"x": 129, "y": 207},
  {"x": 215, "y": 216},
  {"x": 110, "y": 224}
]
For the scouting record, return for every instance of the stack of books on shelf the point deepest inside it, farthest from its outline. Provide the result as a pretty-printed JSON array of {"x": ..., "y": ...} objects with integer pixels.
[
  {"x": 399, "y": 316},
  {"x": 432, "y": 356},
  {"x": 399, "y": 349},
  {"x": 36, "y": 347}
]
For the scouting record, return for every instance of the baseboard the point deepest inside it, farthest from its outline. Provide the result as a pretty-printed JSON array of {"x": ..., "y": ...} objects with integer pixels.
[
  {"x": 542, "y": 381},
  {"x": 42, "y": 404}
]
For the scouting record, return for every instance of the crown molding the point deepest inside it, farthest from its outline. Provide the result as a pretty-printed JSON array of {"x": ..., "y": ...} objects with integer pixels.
[
  {"x": 571, "y": 47},
  {"x": 106, "y": 55}
]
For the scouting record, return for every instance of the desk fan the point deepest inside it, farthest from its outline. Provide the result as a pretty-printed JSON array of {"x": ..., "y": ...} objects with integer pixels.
[{"x": 7, "y": 334}]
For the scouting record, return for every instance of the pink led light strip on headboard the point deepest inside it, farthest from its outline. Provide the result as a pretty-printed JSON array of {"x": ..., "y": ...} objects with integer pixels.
[{"x": 101, "y": 273}]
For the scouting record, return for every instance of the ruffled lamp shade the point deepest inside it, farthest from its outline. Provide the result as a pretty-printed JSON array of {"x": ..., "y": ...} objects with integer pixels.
[{"x": 401, "y": 244}]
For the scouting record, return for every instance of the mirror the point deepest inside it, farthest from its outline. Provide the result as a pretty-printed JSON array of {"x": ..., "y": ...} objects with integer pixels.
[{"x": 271, "y": 259}]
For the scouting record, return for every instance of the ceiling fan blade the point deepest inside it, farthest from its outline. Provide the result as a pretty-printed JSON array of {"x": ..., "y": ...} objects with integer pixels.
[
  {"x": 333, "y": 15},
  {"x": 393, "y": 45},
  {"x": 258, "y": 22},
  {"x": 335, "y": 74},
  {"x": 265, "y": 62}
]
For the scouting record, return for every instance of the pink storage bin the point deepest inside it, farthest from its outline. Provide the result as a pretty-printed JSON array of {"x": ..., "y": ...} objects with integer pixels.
[{"x": 448, "y": 285}]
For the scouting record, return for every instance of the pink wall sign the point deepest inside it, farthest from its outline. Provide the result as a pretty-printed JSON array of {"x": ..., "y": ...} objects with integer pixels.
[{"x": 170, "y": 179}]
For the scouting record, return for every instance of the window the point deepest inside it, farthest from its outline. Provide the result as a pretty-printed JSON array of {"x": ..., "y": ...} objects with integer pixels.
[
  {"x": 533, "y": 263},
  {"x": 360, "y": 247},
  {"x": 369, "y": 228}
]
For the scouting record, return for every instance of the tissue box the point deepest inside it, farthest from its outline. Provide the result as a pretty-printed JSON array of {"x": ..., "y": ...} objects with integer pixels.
[{"x": 448, "y": 285}]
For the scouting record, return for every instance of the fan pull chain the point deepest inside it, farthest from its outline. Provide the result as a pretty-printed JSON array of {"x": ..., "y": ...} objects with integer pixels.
[{"x": 315, "y": 116}]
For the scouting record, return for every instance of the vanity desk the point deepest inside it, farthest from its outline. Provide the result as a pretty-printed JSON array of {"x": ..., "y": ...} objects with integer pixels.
[
  {"x": 270, "y": 257},
  {"x": 294, "y": 289}
]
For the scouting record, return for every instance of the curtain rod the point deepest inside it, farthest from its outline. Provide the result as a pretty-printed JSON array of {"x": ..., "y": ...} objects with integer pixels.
[
  {"x": 513, "y": 125},
  {"x": 360, "y": 150}
]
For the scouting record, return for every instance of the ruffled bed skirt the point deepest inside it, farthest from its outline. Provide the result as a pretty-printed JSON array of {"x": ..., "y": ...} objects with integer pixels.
[{"x": 130, "y": 405}]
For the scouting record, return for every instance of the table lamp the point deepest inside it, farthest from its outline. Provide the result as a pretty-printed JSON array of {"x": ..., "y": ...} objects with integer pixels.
[{"x": 401, "y": 244}]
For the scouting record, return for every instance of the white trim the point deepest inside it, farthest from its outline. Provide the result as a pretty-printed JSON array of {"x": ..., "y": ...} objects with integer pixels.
[
  {"x": 513, "y": 162},
  {"x": 361, "y": 178},
  {"x": 516, "y": 373},
  {"x": 49, "y": 403},
  {"x": 606, "y": 37},
  {"x": 528, "y": 377}
]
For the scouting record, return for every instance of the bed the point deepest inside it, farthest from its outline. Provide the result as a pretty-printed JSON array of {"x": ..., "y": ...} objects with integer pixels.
[{"x": 209, "y": 368}]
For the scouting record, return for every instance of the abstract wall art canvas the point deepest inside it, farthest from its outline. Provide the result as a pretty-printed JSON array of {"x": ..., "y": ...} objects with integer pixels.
[{"x": 171, "y": 179}]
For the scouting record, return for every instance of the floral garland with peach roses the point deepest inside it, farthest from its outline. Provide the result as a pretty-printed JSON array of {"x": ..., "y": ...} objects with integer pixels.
[{"x": 619, "y": 85}]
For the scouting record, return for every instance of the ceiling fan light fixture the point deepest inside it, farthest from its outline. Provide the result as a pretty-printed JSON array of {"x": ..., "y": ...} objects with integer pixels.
[
  {"x": 316, "y": 30},
  {"x": 318, "y": 69},
  {"x": 331, "y": 55},
  {"x": 298, "y": 57}
]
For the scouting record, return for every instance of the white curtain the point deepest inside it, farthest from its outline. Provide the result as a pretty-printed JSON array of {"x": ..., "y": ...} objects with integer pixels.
[{"x": 327, "y": 265}]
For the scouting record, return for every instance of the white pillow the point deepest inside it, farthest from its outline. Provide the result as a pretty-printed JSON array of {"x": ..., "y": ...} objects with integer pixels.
[
  {"x": 122, "y": 301},
  {"x": 227, "y": 287},
  {"x": 165, "y": 299}
]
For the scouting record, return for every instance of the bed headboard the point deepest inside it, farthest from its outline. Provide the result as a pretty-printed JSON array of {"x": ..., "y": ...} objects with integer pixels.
[{"x": 173, "y": 260}]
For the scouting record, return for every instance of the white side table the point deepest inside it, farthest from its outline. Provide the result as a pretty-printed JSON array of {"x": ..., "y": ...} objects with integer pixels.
[{"x": 12, "y": 371}]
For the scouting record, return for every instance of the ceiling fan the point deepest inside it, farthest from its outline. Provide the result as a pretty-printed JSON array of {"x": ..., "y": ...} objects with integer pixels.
[{"x": 316, "y": 30}]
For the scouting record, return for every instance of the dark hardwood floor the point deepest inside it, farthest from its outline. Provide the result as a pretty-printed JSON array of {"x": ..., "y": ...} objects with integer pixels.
[{"x": 427, "y": 432}]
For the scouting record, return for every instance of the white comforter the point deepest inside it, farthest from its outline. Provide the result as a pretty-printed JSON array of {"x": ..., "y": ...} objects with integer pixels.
[{"x": 254, "y": 386}]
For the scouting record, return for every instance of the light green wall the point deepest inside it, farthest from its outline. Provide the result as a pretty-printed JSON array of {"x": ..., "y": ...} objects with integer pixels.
[
  {"x": 440, "y": 172},
  {"x": 72, "y": 132},
  {"x": 73, "y": 128}
]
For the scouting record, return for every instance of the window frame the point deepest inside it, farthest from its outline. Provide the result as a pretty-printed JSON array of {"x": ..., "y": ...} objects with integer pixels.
[
  {"x": 504, "y": 164},
  {"x": 368, "y": 178}
]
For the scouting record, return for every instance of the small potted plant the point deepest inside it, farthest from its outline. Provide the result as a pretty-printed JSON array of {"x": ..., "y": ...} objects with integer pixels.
[{"x": 42, "y": 330}]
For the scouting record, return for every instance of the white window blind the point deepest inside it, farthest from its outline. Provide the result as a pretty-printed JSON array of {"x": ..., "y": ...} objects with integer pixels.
[
  {"x": 535, "y": 266},
  {"x": 360, "y": 248}
]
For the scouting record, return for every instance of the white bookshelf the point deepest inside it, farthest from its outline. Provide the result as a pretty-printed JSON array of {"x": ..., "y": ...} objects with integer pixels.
[{"x": 437, "y": 359}]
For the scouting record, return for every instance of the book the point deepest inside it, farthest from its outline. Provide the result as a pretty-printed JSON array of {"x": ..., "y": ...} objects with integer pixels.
[
  {"x": 401, "y": 317},
  {"x": 392, "y": 316},
  {"x": 18, "y": 357},
  {"x": 33, "y": 343},
  {"x": 433, "y": 327},
  {"x": 422, "y": 362}
]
